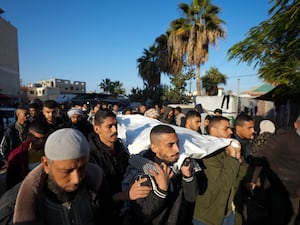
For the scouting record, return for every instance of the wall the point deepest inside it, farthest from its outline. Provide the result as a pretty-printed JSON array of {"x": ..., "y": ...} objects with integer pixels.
[{"x": 9, "y": 59}]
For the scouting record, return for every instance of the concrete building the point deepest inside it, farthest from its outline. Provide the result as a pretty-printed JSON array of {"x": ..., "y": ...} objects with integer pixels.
[
  {"x": 65, "y": 86},
  {"x": 52, "y": 88},
  {"x": 9, "y": 62}
]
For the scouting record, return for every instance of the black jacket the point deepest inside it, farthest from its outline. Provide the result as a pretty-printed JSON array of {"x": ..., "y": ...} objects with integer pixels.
[
  {"x": 13, "y": 138},
  {"x": 174, "y": 207},
  {"x": 113, "y": 164}
]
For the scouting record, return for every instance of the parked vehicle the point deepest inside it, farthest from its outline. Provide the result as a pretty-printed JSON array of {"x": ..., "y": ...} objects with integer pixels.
[{"x": 8, "y": 116}]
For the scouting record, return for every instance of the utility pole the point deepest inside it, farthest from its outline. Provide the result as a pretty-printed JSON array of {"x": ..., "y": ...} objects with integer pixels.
[{"x": 238, "y": 93}]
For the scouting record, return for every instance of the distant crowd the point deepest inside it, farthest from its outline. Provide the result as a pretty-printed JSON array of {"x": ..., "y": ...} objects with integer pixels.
[{"x": 67, "y": 165}]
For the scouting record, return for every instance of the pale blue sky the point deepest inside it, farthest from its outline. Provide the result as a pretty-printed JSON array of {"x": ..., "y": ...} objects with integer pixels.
[{"x": 90, "y": 40}]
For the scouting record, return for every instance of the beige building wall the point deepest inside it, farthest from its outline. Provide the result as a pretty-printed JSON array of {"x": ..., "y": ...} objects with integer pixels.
[
  {"x": 66, "y": 86},
  {"x": 9, "y": 59},
  {"x": 43, "y": 93},
  {"x": 52, "y": 88}
]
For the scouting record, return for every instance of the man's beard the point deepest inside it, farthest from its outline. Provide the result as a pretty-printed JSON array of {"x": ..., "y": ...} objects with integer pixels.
[{"x": 60, "y": 194}]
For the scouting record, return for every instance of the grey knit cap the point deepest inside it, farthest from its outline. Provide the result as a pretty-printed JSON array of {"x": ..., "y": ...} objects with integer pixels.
[{"x": 65, "y": 144}]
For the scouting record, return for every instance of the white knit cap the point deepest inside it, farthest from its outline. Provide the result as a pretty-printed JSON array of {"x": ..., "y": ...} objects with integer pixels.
[
  {"x": 73, "y": 111},
  {"x": 65, "y": 144},
  {"x": 266, "y": 126}
]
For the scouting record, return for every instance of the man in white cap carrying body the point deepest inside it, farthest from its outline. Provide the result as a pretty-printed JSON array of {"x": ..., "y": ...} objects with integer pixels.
[{"x": 63, "y": 189}]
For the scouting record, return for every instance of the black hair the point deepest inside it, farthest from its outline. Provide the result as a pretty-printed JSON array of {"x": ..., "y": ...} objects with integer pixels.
[
  {"x": 22, "y": 106},
  {"x": 191, "y": 114},
  {"x": 39, "y": 126},
  {"x": 125, "y": 110},
  {"x": 34, "y": 105},
  {"x": 102, "y": 114},
  {"x": 216, "y": 120},
  {"x": 162, "y": 129},
  {"x": 51, "y": 104},
  {"x": 178, "y": 108},
  {"x": 218, "y": 111},
  {"x": 241, "y": 118},
  {"x": 208, "y": 117}
]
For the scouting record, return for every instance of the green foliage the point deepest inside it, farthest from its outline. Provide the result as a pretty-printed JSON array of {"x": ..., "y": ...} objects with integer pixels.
[
  {"x": 147, "y": 94},
  {"x": 212, "y": 79},
  {"x": 173, "y": 94},
  {"x": 112, "y": 87},
  {"x": 148, "y": 68},
  {"x": 105, "y": 85},
  {"x": 176, "y": 92},
  {"x": 191, "y": 35},
  {"x": 274, "y": 45}
]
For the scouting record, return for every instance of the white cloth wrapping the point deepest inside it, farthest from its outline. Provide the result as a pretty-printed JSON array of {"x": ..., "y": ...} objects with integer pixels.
[{"x": 134, "y": 130}]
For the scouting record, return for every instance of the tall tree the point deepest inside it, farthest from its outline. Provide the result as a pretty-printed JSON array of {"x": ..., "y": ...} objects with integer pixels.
[
  {"x": 191, "y": 35},
  {"x": 212, "y": 79},
  {"x": 117, "y": 88},
  {"x": 176, "y": 93},
  {"x": 105, "y": 85},
  {"x": 148, "y": 68},
  {"x": 162, "y": 54},
  {"x": 274, "y": 45}
]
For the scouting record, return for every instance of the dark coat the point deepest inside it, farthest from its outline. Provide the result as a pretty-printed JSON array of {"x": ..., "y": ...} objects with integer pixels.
[
  {"x": 283, "y": 156},
  {"x": 172, "y": 207},
  {"x": 17, "y": 164},
  {"x": 84, "y": 126},
  {"x": 113, "y": 163},
  {"x": 12, "y": 138}
]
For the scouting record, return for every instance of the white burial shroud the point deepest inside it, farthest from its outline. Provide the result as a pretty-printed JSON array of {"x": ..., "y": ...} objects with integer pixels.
[{"x": 134, "y": 130}]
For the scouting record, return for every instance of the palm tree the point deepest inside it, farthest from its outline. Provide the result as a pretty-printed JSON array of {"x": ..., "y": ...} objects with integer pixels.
[
  {"x": 162, "y": 53},
  {"x": 191, "y": 35},
  {"x": 211, "y": 79},
  {"x": 105, "y": 85},
  {"x": 148, "y": 68},
  {"x": 117, "y": 88}
]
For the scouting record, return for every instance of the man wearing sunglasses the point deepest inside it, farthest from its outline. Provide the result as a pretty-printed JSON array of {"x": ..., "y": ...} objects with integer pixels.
[{"x": 27, "y": 155}]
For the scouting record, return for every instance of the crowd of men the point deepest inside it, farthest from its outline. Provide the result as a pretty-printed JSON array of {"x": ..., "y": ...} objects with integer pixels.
[{"x": 68, "y": 166}]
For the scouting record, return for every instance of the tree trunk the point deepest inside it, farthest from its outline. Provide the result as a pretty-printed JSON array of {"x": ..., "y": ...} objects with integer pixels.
[{"x": 198, "y": 80}]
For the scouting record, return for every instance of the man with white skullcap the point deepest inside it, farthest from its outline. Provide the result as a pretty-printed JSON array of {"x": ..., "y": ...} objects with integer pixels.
[
  {"x": 78, "y": 122},
  {"x": 63, "y": 189}
]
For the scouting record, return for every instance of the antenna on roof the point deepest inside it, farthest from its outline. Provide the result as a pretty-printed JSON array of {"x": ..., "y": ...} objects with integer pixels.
[{"x": 1, "y": 11}]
